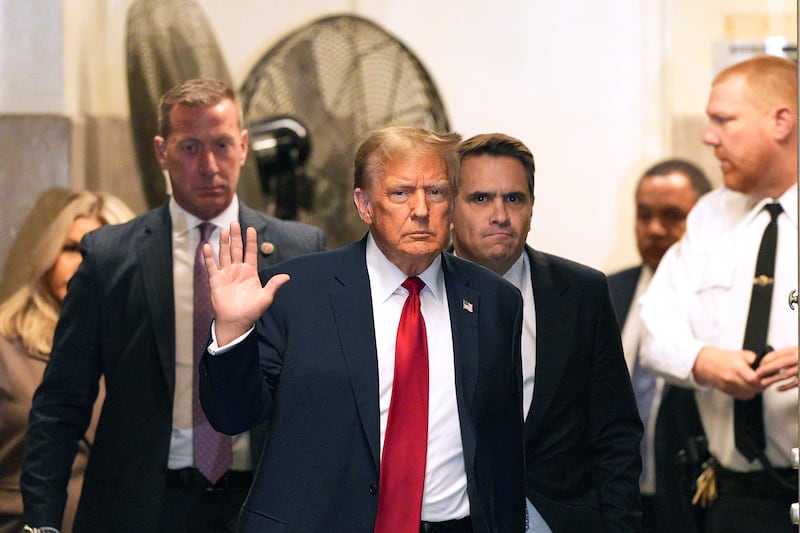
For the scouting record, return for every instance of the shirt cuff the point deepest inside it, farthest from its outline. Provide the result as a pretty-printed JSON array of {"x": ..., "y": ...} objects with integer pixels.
[{"x": 216, "y": 349}]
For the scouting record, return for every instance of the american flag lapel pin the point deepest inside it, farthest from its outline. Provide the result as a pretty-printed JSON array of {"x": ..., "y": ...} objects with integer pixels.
[{"x": 467, "y": 305}]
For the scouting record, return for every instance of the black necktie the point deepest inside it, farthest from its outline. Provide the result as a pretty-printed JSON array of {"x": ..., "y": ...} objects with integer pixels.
[{"x": 748, "y": 417}]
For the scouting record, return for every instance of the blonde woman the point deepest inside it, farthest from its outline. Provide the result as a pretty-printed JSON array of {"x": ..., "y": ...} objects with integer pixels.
[{"x": 27, "y": 323}]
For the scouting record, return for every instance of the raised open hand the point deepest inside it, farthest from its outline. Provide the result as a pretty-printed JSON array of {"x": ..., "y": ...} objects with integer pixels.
[{"x": 237, "y": 297}]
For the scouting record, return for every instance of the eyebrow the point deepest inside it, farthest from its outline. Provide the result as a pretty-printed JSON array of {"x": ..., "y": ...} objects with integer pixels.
[{"x": 497, "y": 193}]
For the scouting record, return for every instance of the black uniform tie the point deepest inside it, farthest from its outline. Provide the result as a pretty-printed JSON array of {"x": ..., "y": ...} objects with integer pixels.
[{"x": 748, "y": 416}]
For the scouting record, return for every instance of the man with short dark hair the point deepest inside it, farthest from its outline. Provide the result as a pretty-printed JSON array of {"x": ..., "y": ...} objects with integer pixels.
[
  {"x": 582, "y": 429},
  {"x": 665, "y": 194}
]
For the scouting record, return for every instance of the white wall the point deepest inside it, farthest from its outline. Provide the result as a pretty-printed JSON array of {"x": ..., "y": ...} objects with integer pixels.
[
  {"x": 573, "y": 79},
  {"x": 568, "y": 78},
  {"x": 592, "y": 87},
  {"x": 700, "y": 24},
  {"x": 31, "y": 51}
]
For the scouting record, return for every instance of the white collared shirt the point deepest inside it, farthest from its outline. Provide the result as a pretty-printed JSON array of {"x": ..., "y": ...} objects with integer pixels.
[
  {"x": 520, "y": 275},
  {"x": 445, "y": 494},
  {"x": 185, "y": 238},
  {"x": 700, "y": 296},
  {"x": 632, "y": 332}
]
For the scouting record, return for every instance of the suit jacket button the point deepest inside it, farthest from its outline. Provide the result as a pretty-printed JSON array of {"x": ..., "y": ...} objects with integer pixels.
[{"x": 373, "y": 489}]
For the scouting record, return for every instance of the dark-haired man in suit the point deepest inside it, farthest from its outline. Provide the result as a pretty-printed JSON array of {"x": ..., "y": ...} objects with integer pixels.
[
  {"x": 129, "y": 317},
  {"x": 582, "y": 429},
  {"x": 327, "y": 359},
  {"x": 665, "y": 194}
]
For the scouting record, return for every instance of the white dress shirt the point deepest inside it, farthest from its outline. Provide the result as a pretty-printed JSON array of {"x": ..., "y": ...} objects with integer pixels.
[
  {"x": 520, "y": 275},
  {"x": 632, "y": 332},
  {"x": 700, "y": 296},
  {"x": 445, "y": 494},
  {"x": 185, "y": 238}
]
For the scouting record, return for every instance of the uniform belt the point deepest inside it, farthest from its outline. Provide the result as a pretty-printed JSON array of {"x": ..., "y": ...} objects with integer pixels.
[
  {"x": 759, "y": 483},
  {"x": 232, "y": 480},
  {"x": 461, "y": 525}
]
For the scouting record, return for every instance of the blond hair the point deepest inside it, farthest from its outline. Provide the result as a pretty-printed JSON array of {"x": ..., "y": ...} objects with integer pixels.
[
  {"x": 31, "y": 313},
  {"x": 771, "y": 79},
  {"x": 382, "y": 147}
]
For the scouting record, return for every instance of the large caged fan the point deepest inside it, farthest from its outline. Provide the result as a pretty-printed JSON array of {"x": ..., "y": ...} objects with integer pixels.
[
  {"x": 341, "y": 77},
  {"x": 168, "y": 42}
]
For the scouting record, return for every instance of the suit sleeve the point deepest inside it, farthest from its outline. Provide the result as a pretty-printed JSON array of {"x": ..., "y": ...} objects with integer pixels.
[
  {"x": 62, "y": 405},
  {"x": 614, "y": 426},
  {"x": 237, "y": 386}
]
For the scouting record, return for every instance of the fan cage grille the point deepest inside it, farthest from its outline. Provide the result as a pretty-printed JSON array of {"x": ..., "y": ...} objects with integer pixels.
[{"x": 342, "y": 77}]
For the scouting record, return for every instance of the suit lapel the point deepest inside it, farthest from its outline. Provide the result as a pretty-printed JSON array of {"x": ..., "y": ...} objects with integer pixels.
[
  {"x": 464, "y": 306},
  {"x": 554, "y": 338},
  {"x": 354, "y": 323},
  {"x": 266, "y": 248},
  {"x": 154, "y": 255},
  {"x": 622, "y": 298},
  {"x": 352, "y": 311},
  {"x": 621, "y": 290}
]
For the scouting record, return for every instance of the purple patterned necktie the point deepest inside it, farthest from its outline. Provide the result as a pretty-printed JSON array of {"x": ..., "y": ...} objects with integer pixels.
[{"x": 212, "y": 450}]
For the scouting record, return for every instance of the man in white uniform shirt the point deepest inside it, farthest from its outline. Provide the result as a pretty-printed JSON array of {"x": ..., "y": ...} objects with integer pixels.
[
  {"x": 697, "y": 308},
  {"x": 582, "y": 429}
]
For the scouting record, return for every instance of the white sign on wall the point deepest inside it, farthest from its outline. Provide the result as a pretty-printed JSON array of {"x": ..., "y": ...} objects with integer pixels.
[{"x": 727, "y": 53}]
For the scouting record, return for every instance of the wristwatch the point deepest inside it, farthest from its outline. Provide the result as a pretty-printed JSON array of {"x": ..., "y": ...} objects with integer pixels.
[{"x": 46, "y": 529}]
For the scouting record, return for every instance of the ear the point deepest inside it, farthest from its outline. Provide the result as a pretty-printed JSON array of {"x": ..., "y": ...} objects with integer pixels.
[
  {"x": 784, "y": 123},
  {"x": 160, "y": 148},
  {"x": 361, "y": 199},
  {"x": 245, "y": 146}
]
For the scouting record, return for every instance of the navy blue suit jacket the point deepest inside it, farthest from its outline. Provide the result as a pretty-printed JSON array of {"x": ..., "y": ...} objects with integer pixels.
[
  {"x": 118, "y": 321},
  {"x": 311, "y": 367},
  {"x": 622, "y": 287},
  {"x": 583, "y": 429},
  {"x": 677, "y": 421}
]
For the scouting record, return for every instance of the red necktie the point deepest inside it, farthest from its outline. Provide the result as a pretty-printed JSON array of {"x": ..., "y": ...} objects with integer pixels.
[
  {"x": 402, "y": 475},
  {"x": 212, "y": 450}
]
